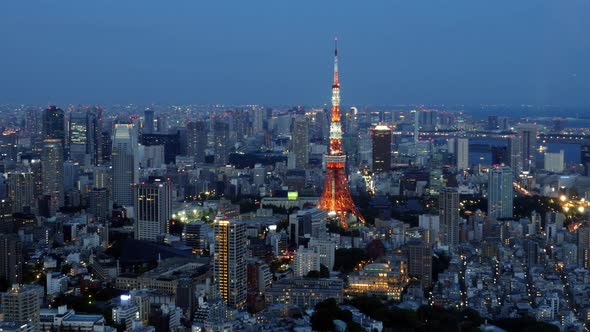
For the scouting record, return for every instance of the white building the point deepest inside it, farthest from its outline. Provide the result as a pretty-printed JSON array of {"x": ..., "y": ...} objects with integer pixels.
[
  {"x": 554, "y": 161},
  {"x": 56, "y": 283},
  {"x": 306, "y": 259}
]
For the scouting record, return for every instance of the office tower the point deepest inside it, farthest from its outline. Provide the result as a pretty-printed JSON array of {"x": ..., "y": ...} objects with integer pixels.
[
  {"x": 300, "y": 141},
  {"x": 326, "y": 248},
  {"x": 500, "y": 192},
  {"x": 124, "y": 164},
  {"x": 514, "y": 152},
  {"x": 584, "y": 247},
  {"x": 11, "y": 259},
  {"x": 221, "y": 142},
  {"x": 102, "y": 177},
  {"x": 500, "y": 155},
  {"x": 196, "y": 140},
  {"x": 585, "y": 158},
  {"x": 53, "y": 124},
  {"x": 162, "y": 125},
  {"x": 381, "y": 149},
  {"x": 336, "y": 197},
  {"x": 21, "y": 304},
  {"x": 554, "y": 161},
  {"x": 493, "y": 123},
  {"x": 85, "y": 136},
  {"x": 527, "y": 138},
  {"x": 431, "y": 225},
  {"x": 448, "y": 205},
  {"x": 259, "y": 116},
  {"x": 462, "y": 153},
  {"x": 229, "y": 261},
  {"x": 99, "y": 204},
  {"x": 153, "y": 209},
  {"x": 148, "y": 122},
  {"x": 419, "y": 256},
  {"x": 33, "y": 125},
  {"x": 8, "y": 223},
  {"x": 52, "y": 173},
  {"x": 8, "y": 145},
  {"x": 70, "y": 174},
  {"x": 170, "y": 143},
  {"x": 21, "y": 191},
  {"x": 194, "y": 235},
  {"x": 306, "y": 260}
]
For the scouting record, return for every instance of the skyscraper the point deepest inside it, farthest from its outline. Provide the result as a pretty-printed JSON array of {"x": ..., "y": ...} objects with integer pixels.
[
  {"x": 148, "y": 121},
  {"x": 500, "y": 192},
  {"x": 194, "y": 235},
  {"x": 21, "y": 304},
  {"x": 336, "y": 197},
  {"x": 11, "y": 259},
  {"x": 527, "y": 138},
  {"x": 584, "y": 247},
  {"x": 462, "y": 153},
  {"x": 381, "y": 149},
  {"x": 124, "y": 164},
  {"x": 53, "y": 123},
  {"x": 85, "y": 136},
  {"x": 221, "y": 141},
  {"x": 300, "y": 141},
  {"x": 448, "y": 202},
  {"x": 514, "y": 151},
  {"x": 153, "y": 209},
  {"x": 52, "y": 161},
  {"x": 230, "y": 261},
  {"x": 196, "y": 137},
  {"x": 585, "y": 158},
  {"x": 99, "y": 204},
  {"x": 419, "y": 256},
  {"x": 21, "y": 191}
]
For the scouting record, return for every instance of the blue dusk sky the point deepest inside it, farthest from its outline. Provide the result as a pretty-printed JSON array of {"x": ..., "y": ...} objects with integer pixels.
[{"x": 280, "y": 52}]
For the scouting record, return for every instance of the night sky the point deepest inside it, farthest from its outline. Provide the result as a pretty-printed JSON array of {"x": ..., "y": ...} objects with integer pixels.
[{"x": 280, "y": 52}]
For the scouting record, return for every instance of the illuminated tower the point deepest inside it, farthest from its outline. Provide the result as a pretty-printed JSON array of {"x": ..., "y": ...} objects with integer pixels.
[{"x": 336, "y": 196}]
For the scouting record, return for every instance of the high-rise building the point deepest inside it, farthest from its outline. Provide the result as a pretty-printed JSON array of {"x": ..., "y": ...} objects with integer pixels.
[
  {"x": 52, "y": 161},
  {"x": 153, "y": 209},
  {"x": 305, "y": 260},
  {"x": 300, "y": 141},
  {"x": 527, "y": 139},
  {"x": 196, "y": 137},
  {"x": 11, "y": 259},
  {"x": 85, "y": 136},
  {"x": 419, "y": 256},
  {"x": 53, "y": 124},
  {"x": 259, "y": 116},
  {"x": 336, "y": 198},
  {"x": 124, "y": 164},
  {"x": 381, "y": 149},
  {"x": 221, "y": 142},
  {"x": 194, "y": 235},
  {"x": 21, "y": 304},
  {"x": 326, "y": 248},
  {"x": 585, "y": 158},
  {"x": 148, "y": 122},
  {"x": 21, "y": 191},
  {"x": 230, "y": 261},
  {"x": 99, "y": 204},
  {"x": 514, "y": 153},
  {"x": 448, "y": 202},
  {"x": 462, "y": 153},
  {"x": 500, "y": 192},
  {"x": 584, "y": 247},
  {"x": 554, "y": 161}
]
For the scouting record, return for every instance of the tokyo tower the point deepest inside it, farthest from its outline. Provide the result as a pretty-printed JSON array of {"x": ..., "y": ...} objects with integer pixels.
[{"x": 336, "y": 197}]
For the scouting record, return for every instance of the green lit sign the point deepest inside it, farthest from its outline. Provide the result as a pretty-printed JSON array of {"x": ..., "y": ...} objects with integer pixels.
[{"x": 292, "y": 195}]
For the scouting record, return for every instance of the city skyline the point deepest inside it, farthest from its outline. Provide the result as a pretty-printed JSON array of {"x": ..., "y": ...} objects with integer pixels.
[{"x": 396, "y": 53}]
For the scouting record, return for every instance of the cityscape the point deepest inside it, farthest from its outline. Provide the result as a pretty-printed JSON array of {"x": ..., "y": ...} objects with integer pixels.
[{"x": 333, "y": 216}]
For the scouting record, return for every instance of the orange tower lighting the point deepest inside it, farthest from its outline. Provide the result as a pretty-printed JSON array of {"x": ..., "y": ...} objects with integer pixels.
[{"x": 336, "y": 197}]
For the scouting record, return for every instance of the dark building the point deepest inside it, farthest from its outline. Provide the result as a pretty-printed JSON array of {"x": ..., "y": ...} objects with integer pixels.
[
  {"x": 585, "y": 158},
  {"x": 11, "y": 258},
  {"x": 500, "y": 155},
  {"x": 53, "y": 123},
  {"x": 381, "y": 149},
  {"x": 148, "y": 122},
  {"x": 170, "y": 141},
  {"x": 196, "y": 140}
]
